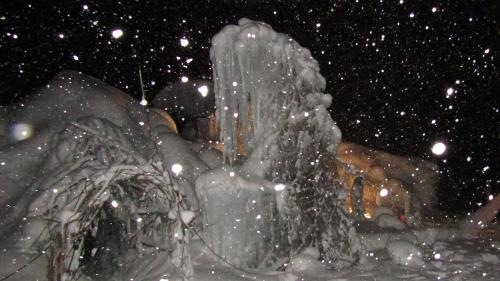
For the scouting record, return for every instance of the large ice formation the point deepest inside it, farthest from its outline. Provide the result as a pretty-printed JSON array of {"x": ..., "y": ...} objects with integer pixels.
[
  {"x": 269, "y": 86},
  {"x": 258, "y": 74}
]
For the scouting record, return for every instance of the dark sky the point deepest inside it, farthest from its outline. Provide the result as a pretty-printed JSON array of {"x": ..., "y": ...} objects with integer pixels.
[{"x": 403, "y": 74}]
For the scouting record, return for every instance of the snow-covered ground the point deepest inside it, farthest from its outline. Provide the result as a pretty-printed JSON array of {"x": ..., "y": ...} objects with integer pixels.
[{"x": 454, "y": 259}]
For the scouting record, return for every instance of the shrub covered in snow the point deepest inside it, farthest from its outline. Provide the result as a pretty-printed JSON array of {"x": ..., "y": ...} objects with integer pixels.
[{"x": 100, "y": 194}]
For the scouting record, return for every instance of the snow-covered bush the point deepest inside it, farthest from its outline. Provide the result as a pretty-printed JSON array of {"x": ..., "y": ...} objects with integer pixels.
[{"x": 101, "y": 198}]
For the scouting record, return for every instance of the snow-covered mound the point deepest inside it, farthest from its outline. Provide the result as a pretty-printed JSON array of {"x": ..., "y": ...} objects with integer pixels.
[
  {"x": 388, "y": 221},
  {"x": 405, "y": 253}
]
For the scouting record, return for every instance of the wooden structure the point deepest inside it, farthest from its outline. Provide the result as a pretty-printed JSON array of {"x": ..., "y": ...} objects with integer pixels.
[{"x": 405, "y": 185}]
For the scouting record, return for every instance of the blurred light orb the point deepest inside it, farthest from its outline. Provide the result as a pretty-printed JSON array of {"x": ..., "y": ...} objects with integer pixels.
[
  {"x": 21, "y": 131},
  {"x": 117, "y": 33},
  {"x": 438, "y": 148},
  {"x": 184, "y": 42},
  {"x": 184, "y": 79},
  {"x": 203, "y": 91},
  {"x": 176, "y": 169},
  {"x": 144, "y": 102},
  {"x": 449, "y": 92},
  {"x": 279, "y": 187},
  {"x": 384, "y": 192},
  {"x": 114, "y": 204}
]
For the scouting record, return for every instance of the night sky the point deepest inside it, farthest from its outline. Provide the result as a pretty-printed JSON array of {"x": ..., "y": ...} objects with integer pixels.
[{"x": 403, "y": 74}]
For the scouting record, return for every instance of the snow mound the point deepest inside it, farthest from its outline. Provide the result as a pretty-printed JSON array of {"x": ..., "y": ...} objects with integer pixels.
[
  {"x": 490, "y": 258},
  {"x": 288, "y": 277},
  {"x": 307, "y": 262},
  {"x": 388, "y": 221},
  {"x": 382, "y": 211},
  {"x": 405, "y": 253}
]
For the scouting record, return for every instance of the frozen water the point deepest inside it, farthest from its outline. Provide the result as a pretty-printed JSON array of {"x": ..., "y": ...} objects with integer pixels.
[{"x": 258, "y": 70}]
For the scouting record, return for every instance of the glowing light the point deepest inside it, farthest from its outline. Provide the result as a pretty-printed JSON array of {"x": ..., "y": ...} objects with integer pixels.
[
  {"x": 279, "y": 187},
  {"x": 412, "y": 15},
  {"x": 22, "y": 131},
  {"x": 184, "y": 79},
  {"x": 437, "y": 256},
  {"x": 203, "y": 91},
  {"x": 117, "y": 33},
  {"x": 75, "y": 57},
  {"x": 177, "y": 169},
  {"x": 438, "y": 148},
  {"x": 487, "y": 51},
  {"x": 139, "y": 220},
  {"x": 144, "y": 102},
  {"x": 235, "y": 84},
  {"x": 184, "y": 42},
  {"x": 368, "y": 216},
  {"x": 231, "y": 174},
  {"x": 61, "y": 35},
  {"x": 434, "y": 9},
  {"x": 449, "y": 92},
  {"x": 490, "y": 197},
  {"x": 384, "y": 192},
  {"x": 114, "y": 204}
]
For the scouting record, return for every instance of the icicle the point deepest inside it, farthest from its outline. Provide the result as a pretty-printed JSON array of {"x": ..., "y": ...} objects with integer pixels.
[
  {"x": 257, "y": 69},
  {"x": 143, "y": 102}
]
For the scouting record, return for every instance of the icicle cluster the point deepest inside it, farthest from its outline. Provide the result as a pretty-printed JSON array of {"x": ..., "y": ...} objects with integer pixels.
[
  {"x": 270, "y": 87},
  {"x": 257, "y": 72}
]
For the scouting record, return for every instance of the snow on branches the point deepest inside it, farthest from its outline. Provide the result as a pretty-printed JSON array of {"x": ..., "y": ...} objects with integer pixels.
[{"x": 98, "y": 184}]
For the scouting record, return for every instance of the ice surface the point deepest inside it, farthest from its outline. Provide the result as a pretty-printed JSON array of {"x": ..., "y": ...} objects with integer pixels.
[
  {"x": 235, "y": 215},
  {"x": 258, "y": 70}
]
